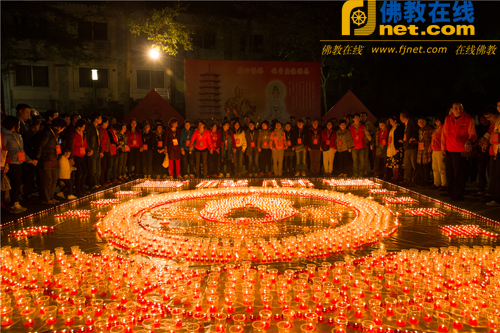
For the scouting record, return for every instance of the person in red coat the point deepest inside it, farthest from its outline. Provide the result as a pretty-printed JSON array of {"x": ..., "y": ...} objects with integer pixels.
[
  {"x": 213, "y": 159},
  {"x": 202, "y": 142},
  {"x": 173, "y": 136},
  {"x": 134, "y": 141}
]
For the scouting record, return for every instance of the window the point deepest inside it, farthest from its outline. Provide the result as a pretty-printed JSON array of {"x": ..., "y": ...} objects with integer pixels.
[
  {"x": 32, "y": 76},
  {"x": 205, "y": 39},
  {"x": 90, "y": 31},
  {"x": 147, "y": 79},
  {"x": 85, "y": 78},
  {"x": 256, "y": 43}
]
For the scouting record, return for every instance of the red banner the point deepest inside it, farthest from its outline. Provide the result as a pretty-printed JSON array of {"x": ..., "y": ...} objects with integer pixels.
[{"x": 265, "y": 89}]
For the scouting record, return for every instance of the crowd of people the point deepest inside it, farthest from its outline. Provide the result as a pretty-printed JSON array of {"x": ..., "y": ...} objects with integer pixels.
[{"x": 65, "y": 156}]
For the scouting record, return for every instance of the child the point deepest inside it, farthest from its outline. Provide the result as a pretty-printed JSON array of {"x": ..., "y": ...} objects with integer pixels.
[{"x": 66, "y": 176}]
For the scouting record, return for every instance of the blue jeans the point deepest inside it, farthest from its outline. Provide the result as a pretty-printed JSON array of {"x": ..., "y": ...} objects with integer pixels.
[
  {"x": 358, "y": 161},
  {"x": 301, "y": 160}
]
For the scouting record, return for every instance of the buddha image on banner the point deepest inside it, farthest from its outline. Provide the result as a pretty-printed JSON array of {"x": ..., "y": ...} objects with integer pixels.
[{"x": 257, "y": 89}]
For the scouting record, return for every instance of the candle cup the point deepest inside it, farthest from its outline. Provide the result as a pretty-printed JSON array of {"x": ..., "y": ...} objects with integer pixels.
[
  {"x": 88, "y": 315},
  {"x": 427, "y": 313},
  {"x": 6, "y": 316},
  {"x": 377, "y": 313},
  {"x": 112, "y": 311},
  {"x": 117, "y": 329},
  {"x": 258, "y": 327},
  {"x": 193, "y": 328},
  {"x": 101, "y": 326},
  {"x": 401, "y": 316},
  {"x": 359, "y": 309},
  {"x": 265, "y": 318},
  {"x": 284, "y": 327},
  {"x": 69, "y": 315},
  {"x": 28, "y": 316},
  {"x": 368, "y": 326},
  {"x": 50, "y": 315},
  {"x": 414, "y": 314},
  {"x": 341, "y": 324},
  {"x": 443, "y": 321},
  {"x": 239, "y": 319},
  {"x": 308, "y": 328},
  {"x": 403, "y": 301},
  {"x": 391, "y": 305}
]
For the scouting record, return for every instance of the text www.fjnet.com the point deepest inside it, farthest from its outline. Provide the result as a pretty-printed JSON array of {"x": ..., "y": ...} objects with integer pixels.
[{"x": 404, "y": 49}]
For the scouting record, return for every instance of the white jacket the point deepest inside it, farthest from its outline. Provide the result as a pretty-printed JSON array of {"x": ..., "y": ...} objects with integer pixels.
[{"x": 64, "y": 168}]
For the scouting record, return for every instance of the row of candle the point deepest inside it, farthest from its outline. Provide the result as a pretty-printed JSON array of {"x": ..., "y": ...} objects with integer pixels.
[
  {"x": 382, "y": 191},
  {"x": 127, "y": 193},
  {"x": 467, "y": 231},
  {"x": 437, "y": 289},
  {"x": 424, "y": 212},
  {"x": 177, "y": 213},
  {"x": 80, "y": 214},
  {"x": 163, "y": 184},
  {"x": 105, "y": 202},
  {"x": 227, "y": 183},
  {"x": 351, "y": 183},
  {"x": 400, "y": 200},
  {"x": 372, "y": 222},
  {"x": 31, "y": 231},
  {"x": 322, "y": 213},
  {"x": 276, "y": 209}
]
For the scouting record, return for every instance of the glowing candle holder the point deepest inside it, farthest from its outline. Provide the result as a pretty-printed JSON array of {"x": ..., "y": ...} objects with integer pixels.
[
  {"x": 258, "y": 326},
  {"x": 28, "y": 316},
  {"x": 239, "y": 319},
  {"x": 340, "y": 325},
  {"x": 443, "y": 321},
  {"x": 265, "y": 318},
  {"x": 7, "y": 313},
  {"x": 284, "y": 326}
]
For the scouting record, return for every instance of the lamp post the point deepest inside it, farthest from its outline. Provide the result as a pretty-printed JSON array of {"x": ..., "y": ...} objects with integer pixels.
[{"x": 95, "y": 77}]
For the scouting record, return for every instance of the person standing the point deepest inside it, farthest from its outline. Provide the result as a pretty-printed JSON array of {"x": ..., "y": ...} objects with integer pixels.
[
  {"x": 458, "y": 134},
  {"x": 14, "y": 145},
  {"x": 187, "y": 162},
  {"x": 329, "y": 147},
  {"x": 66, "y": 175},
  {"x": 438, "y": 165},
  {"x": 23, "y": 114},
  {"x": 47, "y": 153},
  {"x": 214, "y": 158},
  {"x": 29, "y": 170},
  {"x": 359, "y": 136},
  {"x": 300, "y": 140},
  {"x": 278, "y": 146},
  {"x": 288, "y": 164},
  {"x": 112, "y": 171},
  {"x": 424, "y": 152},
  {"x": 79, "y": 150},
  {"x": 94, "y": 150},
  {"x": 202, "y": 142},
  {"x": 395, "y": 148},
  {"x": 226, "y": 149},
  {"x": 264, "y": 148},
  {"x": 240, "y": 145},
  {"x": 123, "y": 151},
  {"x": 158, "y": 147},
  {"x": 485, "y": 153},
  {"x": 147, "y": 151},
  {"x": 344, "y": 144},
  {"x": 495, "y": 167},
  {"x": 104, "y": 138},
  {"x": 381, "y": 140},
  {"x": 410, "y": 146},
  {"x": 370, "y": 128},
  {"x": 173, "y": 136},
  {"x": 314, "y": 147},
  {"x": 134, "y": 141}
]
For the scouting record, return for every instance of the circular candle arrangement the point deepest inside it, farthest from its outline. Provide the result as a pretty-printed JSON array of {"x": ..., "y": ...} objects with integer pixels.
[
  {"x": 222, "y": 183},
  {"x": 166, "y": 184},
  {"x": 32, "y": 231},
  {"x": 126, "y": 227},
  {"x": 424, "y": 212},
  {"x": 444, "y": 290},
  {"x": 127, "y": 193},
  {"x": 322, "y": 213},
  {"x": 105, "y": 202},
  {"x": 80, "y": 214},
  {"x": 400, "y": 200},
  {"x": 177, "y": 213},
  {"x": 275, "y": 209},
  {"x": 382, "y": 191},
  {"x": 351, "y": 183},
  {"x": 466, "y": 231}
]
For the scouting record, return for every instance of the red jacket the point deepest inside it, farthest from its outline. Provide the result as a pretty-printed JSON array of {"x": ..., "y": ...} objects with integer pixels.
[
  {"x": 383, "y": 137},
  {"x": 134, "y": 136},
  {"x": 79, "y": 143},
  {"x": 456, "y": 132},
  {"x": 215, "y": 139},
  {"x": 358, "y": 136},
  {"x": 329, "y": 139},
  {"x": 436, "y": 138},
  {"x": 103, "y": 135},
  {"x": 203, "y": 141}
]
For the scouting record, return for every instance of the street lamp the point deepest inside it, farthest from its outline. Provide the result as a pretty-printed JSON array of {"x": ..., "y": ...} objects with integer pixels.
[
  {"x": 95, "y": 77},
  {"x": 154, "y": 54}
]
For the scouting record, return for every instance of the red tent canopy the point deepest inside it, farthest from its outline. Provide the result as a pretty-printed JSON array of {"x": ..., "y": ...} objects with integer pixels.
[
  {"x": 348, "y": 104},
  {"x": 152, "y": 107}
]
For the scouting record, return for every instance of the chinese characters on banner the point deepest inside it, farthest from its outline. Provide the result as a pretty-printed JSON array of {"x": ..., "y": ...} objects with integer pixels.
[
  {"x": 422, "y": 11},
  {"x": 265, "y": 89}
]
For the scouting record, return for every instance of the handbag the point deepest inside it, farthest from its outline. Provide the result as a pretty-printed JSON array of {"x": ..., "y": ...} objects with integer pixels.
[{"x": 166, "y": 161}]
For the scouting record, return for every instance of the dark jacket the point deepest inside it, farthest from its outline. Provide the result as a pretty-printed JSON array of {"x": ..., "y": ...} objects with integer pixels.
[
  {"x": 45, "y": 151},
  {"x": 249, "y": 139},
  {"x": 174, "y": 151},
  {"x": 399, "y": 135},
  {"x": 303, "y": 135},
  {"x": 314, "y": 138},
  {"x": 93, "y": 139},
  {"x": 147, "y": 139},
  {"x": 411, "y": 131}
]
